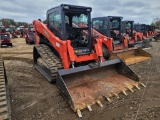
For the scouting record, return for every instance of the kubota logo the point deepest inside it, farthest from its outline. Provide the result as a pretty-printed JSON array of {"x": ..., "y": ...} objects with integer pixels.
[{"x": 46, "y": 33}]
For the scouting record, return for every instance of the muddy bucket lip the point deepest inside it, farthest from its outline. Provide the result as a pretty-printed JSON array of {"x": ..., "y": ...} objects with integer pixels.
[
  {"x": 87, "y": 67},
  {"x": 82, "y": 96}
]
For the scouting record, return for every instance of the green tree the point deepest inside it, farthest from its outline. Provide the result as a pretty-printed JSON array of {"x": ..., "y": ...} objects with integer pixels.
[{"x": 7, "y": 22}]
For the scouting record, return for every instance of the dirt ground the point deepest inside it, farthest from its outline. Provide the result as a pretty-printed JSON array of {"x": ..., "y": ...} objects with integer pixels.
[{"x": 33, "y": 98}]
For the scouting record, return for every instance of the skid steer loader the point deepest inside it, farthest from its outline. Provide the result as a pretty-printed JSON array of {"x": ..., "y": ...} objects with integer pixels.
[
  {"x": 72, "y": 58},
  {"x": 127, "y": 28},
  {"x": 111, "y": 27},
  {"x": 142, "y": 28},
  {"x": 135, "y": 38}
]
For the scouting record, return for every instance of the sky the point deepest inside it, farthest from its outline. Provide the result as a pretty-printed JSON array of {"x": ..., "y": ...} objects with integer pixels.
[{"x": 141, "y": 11}]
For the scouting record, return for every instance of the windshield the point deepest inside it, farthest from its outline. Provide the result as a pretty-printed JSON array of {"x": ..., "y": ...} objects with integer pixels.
[
  {"x": 128, "y": 25},
  {"x": 4, "y": 36},
  {"x": 77, "y": 29},
  {"x": 79, "y": 20},
  {"x": 115, "y": 29},
  {"x": 97, "y": 24},
  {"x": 114, "y": 24}
]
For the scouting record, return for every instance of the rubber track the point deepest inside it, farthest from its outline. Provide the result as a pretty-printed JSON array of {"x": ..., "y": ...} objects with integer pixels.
[
  {"x": 4, "y": 99},
  {"x": 53, "y": 62}
]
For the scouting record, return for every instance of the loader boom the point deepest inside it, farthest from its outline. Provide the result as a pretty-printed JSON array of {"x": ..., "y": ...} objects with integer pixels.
[{"x": 63, "y": 47}]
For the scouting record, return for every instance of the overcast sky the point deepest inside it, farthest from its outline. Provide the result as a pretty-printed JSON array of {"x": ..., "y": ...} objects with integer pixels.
[{"x": 142, "y": 11}]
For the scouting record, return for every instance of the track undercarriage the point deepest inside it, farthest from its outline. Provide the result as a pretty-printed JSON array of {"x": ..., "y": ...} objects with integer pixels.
[{"x": 4, "y": 96}]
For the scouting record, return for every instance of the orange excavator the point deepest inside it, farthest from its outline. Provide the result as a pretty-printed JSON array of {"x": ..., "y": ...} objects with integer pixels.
[{"x": 72, "y": 58}]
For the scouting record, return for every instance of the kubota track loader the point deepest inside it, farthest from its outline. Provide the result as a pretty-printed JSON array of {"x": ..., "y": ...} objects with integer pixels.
[
  {"x": 111, "y": 27},
  {"x": 71, "y": 57},
  {"x": 127, "y": 28},
  {"x": 135, "y": 38},
  {"x": 142, "y": 28}
]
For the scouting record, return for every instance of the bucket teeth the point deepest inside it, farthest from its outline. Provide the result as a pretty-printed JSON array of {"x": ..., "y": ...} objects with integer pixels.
[
  {"x": 108, "y": 99},
  {"x": 124, "y": 92},
  {"x": 142, "y": 84},
  {"x": 99, "y": 103},
  {"x": 79, "y": 113},
  {"x": 89, "y": 107},
  {"x": 130, "y": 89},
  {"x": 116, "y": 95},
  {"x": 137, "y": 87}
]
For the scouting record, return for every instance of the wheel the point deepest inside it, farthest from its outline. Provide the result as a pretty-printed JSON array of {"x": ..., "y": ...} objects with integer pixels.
[{"x": 105, "y": 52}]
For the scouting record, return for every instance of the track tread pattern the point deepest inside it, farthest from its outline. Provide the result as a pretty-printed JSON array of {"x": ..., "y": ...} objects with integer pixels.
[
  {"x": 4, "y": 111},
  {"x": 53, "y": 62}
]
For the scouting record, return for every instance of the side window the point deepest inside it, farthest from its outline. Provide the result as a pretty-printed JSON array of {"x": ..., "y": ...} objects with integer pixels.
[
  {"x": 97, "y": 24},
  {"x": 54, "y": 20}
]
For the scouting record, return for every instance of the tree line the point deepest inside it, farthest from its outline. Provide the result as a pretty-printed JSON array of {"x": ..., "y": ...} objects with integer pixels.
[{"x": 10, "y": 22}]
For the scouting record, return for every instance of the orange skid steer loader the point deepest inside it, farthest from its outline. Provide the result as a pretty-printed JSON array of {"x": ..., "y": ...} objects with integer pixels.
[
  {"x": 66, "y": 55},
  {"x": 111, "y": 28}
]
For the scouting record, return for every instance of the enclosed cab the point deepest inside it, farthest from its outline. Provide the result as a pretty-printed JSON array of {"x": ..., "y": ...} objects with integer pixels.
[
  {"x": 68, "y": 22},
  {"x": 142, "y": 28},
  {"x": 134, "y": 37},
  {"x": 5, "y": 40},
  {"x": 127, "y": 28},
  {"x": 110, "y": 26}
]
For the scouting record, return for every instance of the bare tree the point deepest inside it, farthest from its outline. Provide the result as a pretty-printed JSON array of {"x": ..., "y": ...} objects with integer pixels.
[{"x": 156, "y": 22}]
